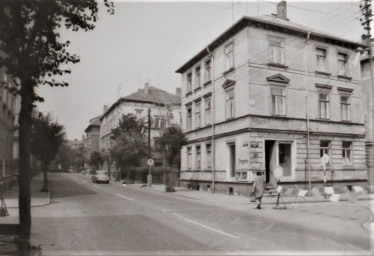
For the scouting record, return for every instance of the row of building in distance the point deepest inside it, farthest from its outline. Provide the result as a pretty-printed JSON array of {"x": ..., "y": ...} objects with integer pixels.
[{"x": 267, "y": 94}]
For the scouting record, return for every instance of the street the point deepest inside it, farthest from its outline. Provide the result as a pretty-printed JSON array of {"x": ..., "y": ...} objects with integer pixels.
[{"x": 112, "y": 219}]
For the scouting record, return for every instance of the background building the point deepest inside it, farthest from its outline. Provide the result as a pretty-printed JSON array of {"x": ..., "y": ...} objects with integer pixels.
[
  {"x": 164, "y": 111},
  {"x": 92, "y": 140},
  {"x": 271, "y": 94},
  {"x": 9, "y": 110}
]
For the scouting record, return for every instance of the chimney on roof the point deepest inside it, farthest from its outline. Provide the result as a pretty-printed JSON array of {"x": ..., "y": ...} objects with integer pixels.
[
  {"x": 105, "y": 108},
  {"x": 178, "y": 91},
  {"x": 282, "y": 10},
  {"x": 146, "y": 88}
]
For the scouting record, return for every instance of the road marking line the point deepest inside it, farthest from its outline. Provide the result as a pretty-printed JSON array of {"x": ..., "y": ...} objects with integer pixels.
[
  {"x": 128, "y": 198},
  {"x": 96, "y": 186},
  {"x": 207, "y": 227}
]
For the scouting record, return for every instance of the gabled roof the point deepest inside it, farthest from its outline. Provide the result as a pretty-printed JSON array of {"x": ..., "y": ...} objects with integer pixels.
[
  {"x": 269, "y": 22},
  {"x": 154, "y": 96},
  {"x": 94, "y": 122}
]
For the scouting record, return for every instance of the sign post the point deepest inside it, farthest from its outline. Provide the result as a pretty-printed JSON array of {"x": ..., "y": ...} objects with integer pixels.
[
  {"x": 278, "y": 172},
  {"x": 150, "y": 162},
  {"x": 324, "y": 160}
]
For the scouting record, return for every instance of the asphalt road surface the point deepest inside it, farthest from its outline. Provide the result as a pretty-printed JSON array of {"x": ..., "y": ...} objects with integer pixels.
[{"x": 112, "y": 219}]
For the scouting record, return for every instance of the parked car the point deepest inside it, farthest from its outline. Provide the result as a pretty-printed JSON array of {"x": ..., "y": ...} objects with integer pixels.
[{"x": 100, "y": 176}]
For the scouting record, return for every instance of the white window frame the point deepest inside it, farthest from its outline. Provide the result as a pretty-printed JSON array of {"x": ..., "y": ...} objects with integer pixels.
[
  {"x": 230, "y": 103},
  {"x": 208, "y": 111},
  {"x": 325, "y": 150},
  {"x": 198, "y": 157},
  {"x": 324, "y": 105},
  {"x": 229, "y": 56},
  {"x": 208, "y": 148},
  {"x": 275, "y": 50},
  {"x": 189, "y": 117},
  {"x": 347, "y": 153},
  {"x": 345, "y": 108},
  {"x": 198, "y": 114},
  {"x": 189, "y": 158},
  {"x": 342, "y": 63},
  {"x": 189, "y": 82},
  {"x": 278, "y": 100},
  {"x": 321, "y": 55},
  {"x": 197, "y": 77},
  {"x": 208, "y": 70}
]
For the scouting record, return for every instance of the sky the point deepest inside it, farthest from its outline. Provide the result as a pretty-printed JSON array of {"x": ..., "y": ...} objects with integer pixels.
[{"x": 148, "y": 41}]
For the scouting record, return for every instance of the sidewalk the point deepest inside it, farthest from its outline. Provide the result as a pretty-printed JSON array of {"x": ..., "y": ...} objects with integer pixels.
[
  {"x": 38, "y": 198},
  {"x": 9, "y": 225},
  {"x": 267, "y": 199}
]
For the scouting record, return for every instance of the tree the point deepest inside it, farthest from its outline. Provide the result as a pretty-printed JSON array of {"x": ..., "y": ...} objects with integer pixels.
[
  {"x": 47, "y": 137},
  {"x": 128, "y": 143},
  {"x": 63, "y": 157},
  {"x": 34, "y": 54},
  {"x": 170, "y": 143},
  {"x": 96, "y": 160}
]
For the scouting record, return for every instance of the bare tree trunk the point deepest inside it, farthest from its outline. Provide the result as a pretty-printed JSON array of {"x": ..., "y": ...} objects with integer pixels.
[{"x": 25, "y": 126}]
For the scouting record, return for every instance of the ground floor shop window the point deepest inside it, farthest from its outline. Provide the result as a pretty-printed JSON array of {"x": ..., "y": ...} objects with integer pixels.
[
  {"x": 232, "y": 159},
  {"x": 347, "y": 152},
  {"x": 284, "y": 154}
]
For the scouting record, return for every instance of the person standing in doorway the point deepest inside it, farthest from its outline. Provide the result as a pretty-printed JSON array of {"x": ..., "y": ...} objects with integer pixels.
[{"x": 258, "y": 188}]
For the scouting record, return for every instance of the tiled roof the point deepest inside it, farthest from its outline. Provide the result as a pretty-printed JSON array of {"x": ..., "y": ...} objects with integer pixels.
[
  {"x": 93, "y": 122},
  {"x": 154, "y": 95}
]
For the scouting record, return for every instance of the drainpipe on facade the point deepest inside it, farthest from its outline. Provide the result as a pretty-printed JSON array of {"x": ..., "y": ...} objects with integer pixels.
[
  {"x": 213, "y": 123},
  {"x": 307, "y": 111}
]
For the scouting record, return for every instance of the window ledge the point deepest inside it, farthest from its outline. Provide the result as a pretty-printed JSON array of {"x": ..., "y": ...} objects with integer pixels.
[
  {"x": 344, "y": 77},
  {"x": 277, "y": 65},
  {"x": 278, "y": 115},
  {"x": 197, "y": 89},
  {"x": 230, "y": 118},
  {"x": 189, "y": 93},
  {"x": 323, "y": 73},
  {"x": 207, "y": 83},
  {"x": 228, "y": 71}
]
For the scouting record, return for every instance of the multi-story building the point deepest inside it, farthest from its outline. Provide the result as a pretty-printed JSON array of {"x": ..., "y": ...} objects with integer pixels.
[
  {"x": 273, "y": 96},
  {"x": 9, "y": 110},
  {"x": 367, "y": 88},
  {"x": 164, "y": 110},
  {"x": 92, "y": 140}
]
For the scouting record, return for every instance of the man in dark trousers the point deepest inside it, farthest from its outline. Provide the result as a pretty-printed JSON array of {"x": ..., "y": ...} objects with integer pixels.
[{"x": 258, "y": 188}]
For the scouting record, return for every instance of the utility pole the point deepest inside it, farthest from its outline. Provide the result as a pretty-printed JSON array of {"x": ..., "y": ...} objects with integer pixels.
[
  {"x": 366, "y": 10},
  {"x": 150, "y": 163}
]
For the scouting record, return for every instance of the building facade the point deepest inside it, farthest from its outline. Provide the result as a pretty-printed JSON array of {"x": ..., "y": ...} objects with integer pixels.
[
  {"x": 9, "y": 110},
  {"x": 92, "y": 140},
  {"x": 164, "y": 111},
  {"x": 273, "y": 96}
]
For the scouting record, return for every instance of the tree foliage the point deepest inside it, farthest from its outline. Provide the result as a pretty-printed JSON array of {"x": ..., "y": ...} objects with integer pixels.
[
  {"x": 47, "y": 137},
  {"x": 129, "y": 144},
  {"x": 170, "y": 143},
  {"x": 96, "y": 160},
  {"x": 33, "y": 53}
]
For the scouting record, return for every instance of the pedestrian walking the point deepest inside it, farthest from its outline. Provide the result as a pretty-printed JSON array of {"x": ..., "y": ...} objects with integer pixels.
[{"x": 258, "y": 188}]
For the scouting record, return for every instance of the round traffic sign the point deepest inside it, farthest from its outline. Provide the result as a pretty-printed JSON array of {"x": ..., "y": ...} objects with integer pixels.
[
  {"x": 150, "y": 162},
  {"x": 278, "y": 171}
]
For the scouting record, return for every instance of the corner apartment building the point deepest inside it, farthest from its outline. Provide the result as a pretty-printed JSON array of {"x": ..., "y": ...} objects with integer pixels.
[
  {"x": 164, "y": 111},
  {"x": 9, "y": 110},
  {"x": 269, "y": 94},
  {"x": 92, "y": 140}
]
